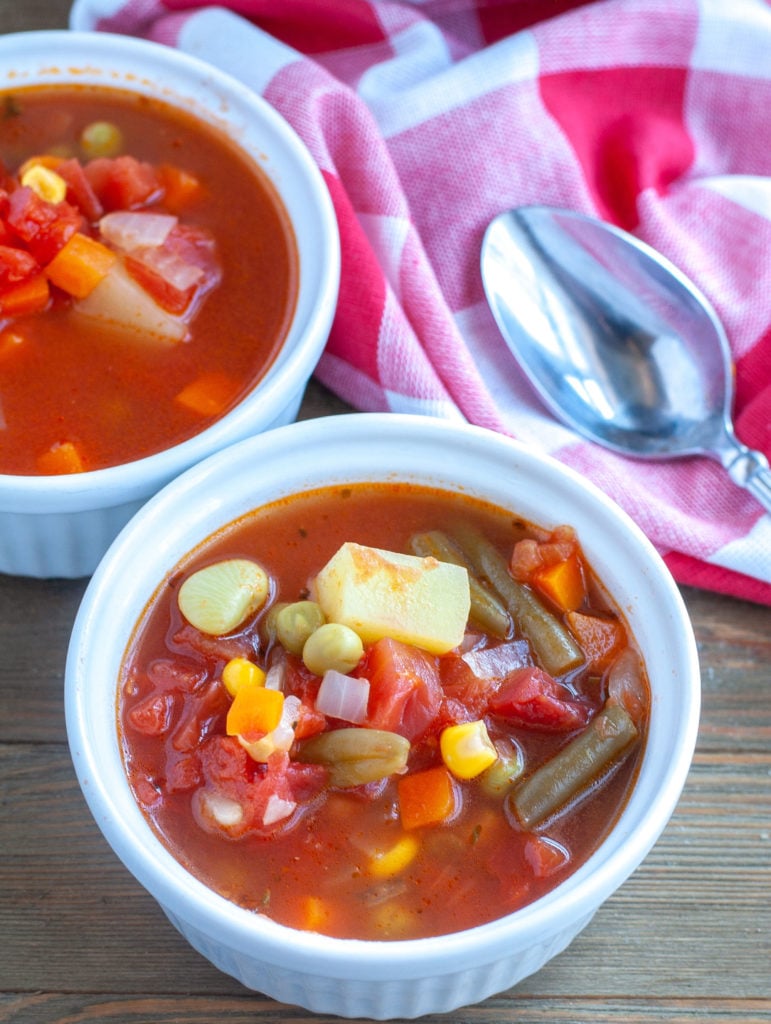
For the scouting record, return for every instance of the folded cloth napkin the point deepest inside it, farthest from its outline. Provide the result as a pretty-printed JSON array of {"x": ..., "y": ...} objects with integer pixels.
[{"x": 429, "y": 117}]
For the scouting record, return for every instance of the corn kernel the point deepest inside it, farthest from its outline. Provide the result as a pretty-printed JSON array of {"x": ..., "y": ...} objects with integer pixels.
[
  {"x": 393, "y": 920},
  {"x": 467, "y": 749},
  {"x": 241, "y": 672},
  {"x": 387, "y": 863},
  {"x": 46, "y": 183}
]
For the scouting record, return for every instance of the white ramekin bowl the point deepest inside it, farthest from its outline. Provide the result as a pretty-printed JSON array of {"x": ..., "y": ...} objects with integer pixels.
[
  {"x": 401, "y": 979},
  {"x": 62, "y": 525}
]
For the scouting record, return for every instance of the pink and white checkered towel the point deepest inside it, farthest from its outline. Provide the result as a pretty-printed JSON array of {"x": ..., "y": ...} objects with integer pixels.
[{"x": 429, "y": 117}]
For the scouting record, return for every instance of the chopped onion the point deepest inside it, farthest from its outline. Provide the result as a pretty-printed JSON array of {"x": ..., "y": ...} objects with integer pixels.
[
  {"x": 222, "y": 809},
  {"x": 130, "y": 231},
  {"x": 343, "y": 697},
  {"x": 277, "y": 809},
  {"x": 175, "y": 270},
  {"x": 626, "y": 686},
  {"x": 496, "y": 662},
  {"x": 275, "y": 676}
]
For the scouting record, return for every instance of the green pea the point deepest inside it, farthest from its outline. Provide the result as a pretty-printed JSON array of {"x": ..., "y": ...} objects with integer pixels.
[
  {"x": 332, "y": 646},
  {"x": 269, "y": 628},
  {"x": 101, "y": 138},
  {"x": 295, "y": 622},
  {"x": 500, "y": 777}
]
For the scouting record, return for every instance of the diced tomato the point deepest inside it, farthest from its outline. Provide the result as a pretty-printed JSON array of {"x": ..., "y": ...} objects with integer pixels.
[
  {"x": 146, "y": 790},
  {"x": 545, "y": 856},
  {"x": 405, "y": 691},
  {"x": 468, "y": 694},
  {"x": 183, "y": 773},
  {"x": 223, "y": 761},
  {"x": 472, "y": 678},
  {"x": 43, "y": 227},
  {"x": 152, "y": 716},
  {"x": 310, "y": 722},
  {"x": 227, "y": 770},
  {"x": 173, "y": 300},
  {"x": 213, "y": 647},
  {"x": 532, "y": 698},
  {"x": 529, "y": 556},
  {"x": 204, "y": 711},
  {"x": 178, "y": 272},
  {"x": 80, "y": 192},
  {"x": 176, "y": 675},
  {"x": 122, "y": 182},
  {"x": 16, "y": 265}
]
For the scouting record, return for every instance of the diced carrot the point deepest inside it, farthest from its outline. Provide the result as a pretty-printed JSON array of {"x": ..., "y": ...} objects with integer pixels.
[
  {"x": 181, "y": 188},
  {"x": 30, "y": 296},
  {"x": 563, "y": 583},
  {"x": 601, "y": 639},
  {"x": 60, "y": 459},
  {"x": 426, "y": 797},
  {"x": 209, "y": 394},
  {"x": 315, "y": 914},
  {"x": 10, "y": 341},
  {"x": 80, "y": 265},
  {"x": 47, "y": 160},
  {"x": 254, "y": 712}
]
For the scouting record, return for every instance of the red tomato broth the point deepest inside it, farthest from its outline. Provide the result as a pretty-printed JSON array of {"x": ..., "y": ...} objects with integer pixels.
[
  {"x": 473, "y": 868},
  {"x": 112, "y": 394}
]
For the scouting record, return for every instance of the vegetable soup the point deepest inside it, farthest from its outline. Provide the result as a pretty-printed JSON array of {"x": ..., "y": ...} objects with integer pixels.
[
  {"x": 382, "y": 711},
  {"x": 148, "y": 276}
]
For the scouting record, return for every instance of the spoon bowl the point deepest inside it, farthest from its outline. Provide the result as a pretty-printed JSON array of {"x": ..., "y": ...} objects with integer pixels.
[{"x": 617, "y": 342}]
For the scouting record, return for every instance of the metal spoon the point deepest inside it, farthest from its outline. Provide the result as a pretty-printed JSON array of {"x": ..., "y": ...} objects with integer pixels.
[{"x": 618, "y": 343}]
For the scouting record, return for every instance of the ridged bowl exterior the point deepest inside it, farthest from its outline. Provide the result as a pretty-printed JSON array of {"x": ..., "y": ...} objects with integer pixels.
[{"x": 401, "y": 979}]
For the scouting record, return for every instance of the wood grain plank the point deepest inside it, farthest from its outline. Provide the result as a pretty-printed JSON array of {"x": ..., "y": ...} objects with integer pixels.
[
  {"x": 28, "y": 15},
  {"x": 61, "y": 1008},
  {"x": 36, "y": 618}
]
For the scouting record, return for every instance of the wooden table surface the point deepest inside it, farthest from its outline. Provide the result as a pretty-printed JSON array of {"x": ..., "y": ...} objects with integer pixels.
[{"x": 687, "y": 938}]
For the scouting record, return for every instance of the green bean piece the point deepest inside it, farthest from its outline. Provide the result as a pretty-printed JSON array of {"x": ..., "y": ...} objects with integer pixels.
[
  {"x": 553, "y": 644},
  {"x": 571, "y": 771},
  {"x": 357, "y": 756},
  {"x": 487, "y": 612}
]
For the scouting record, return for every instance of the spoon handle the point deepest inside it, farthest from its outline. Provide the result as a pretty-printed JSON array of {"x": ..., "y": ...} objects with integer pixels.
[{"x": 748, "y": 469}]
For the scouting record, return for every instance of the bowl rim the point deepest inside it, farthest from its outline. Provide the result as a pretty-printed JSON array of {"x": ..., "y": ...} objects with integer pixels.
[
  {"x": 581, "y": 893},
  {"x": 80, "y": 51}
]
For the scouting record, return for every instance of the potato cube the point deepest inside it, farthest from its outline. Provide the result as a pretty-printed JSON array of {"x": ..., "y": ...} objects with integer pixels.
[{"x": 378, "y": 594}]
